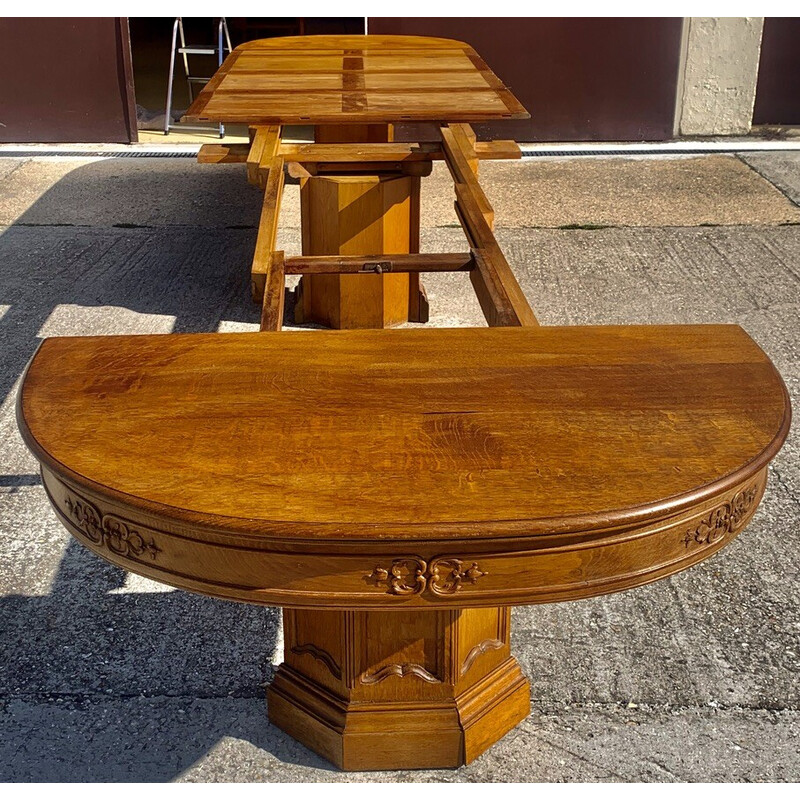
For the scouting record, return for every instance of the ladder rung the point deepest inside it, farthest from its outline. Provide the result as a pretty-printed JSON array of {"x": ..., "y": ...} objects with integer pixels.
[
  {"x": 198, "y": 51},
  {"x": 195, "y": 79},
  {"x": 182, "y": 127}
]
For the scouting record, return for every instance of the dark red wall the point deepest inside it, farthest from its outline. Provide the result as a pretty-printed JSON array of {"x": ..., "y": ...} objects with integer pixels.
[
  {"x": 67, "y": 79},
  {"x": 778, "y": 88},
  {"x": 580, "y": 78},
  {"x": 64, "y": 80}
]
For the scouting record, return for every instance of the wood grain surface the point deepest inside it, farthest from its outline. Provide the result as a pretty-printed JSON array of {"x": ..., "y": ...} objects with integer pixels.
[
  {"x": 495, "y": 425},
  {"x": 409, "y": 467},
  {"x": 440, "y": 475},
  {"x": 354, "y": 79}
]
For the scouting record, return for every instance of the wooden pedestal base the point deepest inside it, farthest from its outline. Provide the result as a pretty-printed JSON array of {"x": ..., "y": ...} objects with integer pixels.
[
  {"x": 351, "y": 215},
  {"x": 360, "y": 213},
  {"x": 398, "y": 690}
]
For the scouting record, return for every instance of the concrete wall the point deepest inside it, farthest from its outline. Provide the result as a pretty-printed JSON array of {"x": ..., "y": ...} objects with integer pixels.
[{"x": 719, "y": 73}]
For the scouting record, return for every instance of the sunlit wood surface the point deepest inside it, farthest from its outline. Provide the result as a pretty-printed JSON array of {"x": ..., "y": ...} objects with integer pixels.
[{"x": 354, "y": 79}]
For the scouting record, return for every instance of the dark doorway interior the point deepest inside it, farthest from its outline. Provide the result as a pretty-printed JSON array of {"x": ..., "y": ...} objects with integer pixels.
[
  {"x": 151, "y": 42},
  {"x": 778, "y": 87}
]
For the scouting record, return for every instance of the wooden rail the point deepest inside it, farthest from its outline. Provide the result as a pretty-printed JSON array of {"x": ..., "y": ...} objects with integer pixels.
[
  {"x": 499, "y": 294},
  {"x": 400, "y": 152},
  {"x": 270, "y": 170},
  {"x": 274, "y": 291},
  {"x": 403, "y": 262}
]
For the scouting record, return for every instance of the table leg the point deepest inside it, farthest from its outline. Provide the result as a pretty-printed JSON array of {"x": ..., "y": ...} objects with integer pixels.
[
  {"x": 359, "y": 213},
  {"x": 398, "y": 689}
]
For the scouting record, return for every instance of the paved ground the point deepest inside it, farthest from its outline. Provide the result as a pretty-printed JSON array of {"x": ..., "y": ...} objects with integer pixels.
[{"x": 106, "y": 676}]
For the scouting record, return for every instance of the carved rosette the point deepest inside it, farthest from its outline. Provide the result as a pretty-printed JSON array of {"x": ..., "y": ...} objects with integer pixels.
[
  {"x": 109, "y": 531},
  {"x": 723, "y": 520},
  {"x": 412, "y": 575}
]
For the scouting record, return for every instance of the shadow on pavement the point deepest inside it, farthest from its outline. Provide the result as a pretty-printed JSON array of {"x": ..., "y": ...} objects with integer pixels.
[{"x": 75, "y": 659}]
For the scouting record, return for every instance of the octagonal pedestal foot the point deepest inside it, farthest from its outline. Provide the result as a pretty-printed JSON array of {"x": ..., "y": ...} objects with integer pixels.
[{"x": 398, "y": 690}]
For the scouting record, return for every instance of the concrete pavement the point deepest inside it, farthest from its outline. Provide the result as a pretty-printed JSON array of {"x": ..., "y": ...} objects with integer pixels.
[{"x": 107, "y": 676}]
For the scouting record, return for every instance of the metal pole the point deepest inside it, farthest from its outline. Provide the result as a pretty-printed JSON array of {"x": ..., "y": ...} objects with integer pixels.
[{"x": 168, "y": 113}]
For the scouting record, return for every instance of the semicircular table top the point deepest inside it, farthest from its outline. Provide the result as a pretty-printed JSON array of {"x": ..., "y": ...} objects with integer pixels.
[
  {"x": 407, "y": 435},
  {"x": 354, "y": 79}
]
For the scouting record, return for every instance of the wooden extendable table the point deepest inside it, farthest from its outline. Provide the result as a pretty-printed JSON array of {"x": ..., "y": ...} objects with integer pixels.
[
  {"x": 359, "y": 190},
  {"x": 396, "y": 491}
]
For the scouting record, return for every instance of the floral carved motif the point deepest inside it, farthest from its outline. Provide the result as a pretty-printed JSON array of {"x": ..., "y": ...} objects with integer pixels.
[
  {"x": 724, "y": 519},
  {"x": 412, "y": 575},
  {"x": 404, "y": 576},
  {"x": 447, "y": 575},
  {"x": 109, "y": 531}
]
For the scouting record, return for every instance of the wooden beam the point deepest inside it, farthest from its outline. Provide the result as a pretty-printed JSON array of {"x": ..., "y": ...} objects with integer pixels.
[
  {"x": 405, "y": 262},
  {"x": 272, "y": 308},
  {"x": 498, "y": 149},
  {"x": 223, "y": 154},
  {"x": 270, "y": 152},
  {"x": 303, "y": 170},
  {"x": 267, "y": 227},
  {"x": 501, "y": 298},
  {"x": 469, "y": 142},
  {"x": 459, "y": 154},
  {"x": 254, "y": 154},
  {"x": 405, "y": 152},
  {"x": 492, "y": 295},
  {"x": 360, "y": 153},
  {"x": 376, "y": 152},
  {"x": 265, "y": 146}
]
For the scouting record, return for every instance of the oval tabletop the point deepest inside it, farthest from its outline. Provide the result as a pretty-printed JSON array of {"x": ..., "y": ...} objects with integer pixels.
[
  {"x": 370, "y": 467},
  {"x": 306, "y": 80}
]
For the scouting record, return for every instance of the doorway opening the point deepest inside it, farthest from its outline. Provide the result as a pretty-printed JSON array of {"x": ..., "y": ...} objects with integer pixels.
[{"x": 151, "y": 45}]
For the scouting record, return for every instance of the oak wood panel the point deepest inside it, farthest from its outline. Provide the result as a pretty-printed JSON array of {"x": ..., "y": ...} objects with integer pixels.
[
  {"x": 473, "y": 433},
  {"x": 351, "y": 215},
  {"x": 664, "y": 433},
  {"x": 383, "y": 574},
  {"x": 347, "y": 79},
  {"x": 374, "y": 152}
]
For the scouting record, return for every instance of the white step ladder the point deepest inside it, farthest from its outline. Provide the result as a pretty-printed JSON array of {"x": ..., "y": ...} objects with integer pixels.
[{"x": 222, "y": 45}]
